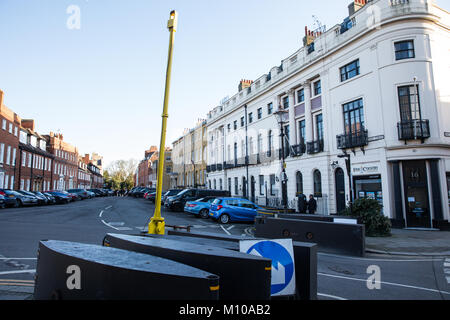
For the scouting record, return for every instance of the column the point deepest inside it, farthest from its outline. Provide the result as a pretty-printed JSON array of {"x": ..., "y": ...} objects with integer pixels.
[
  {"x": 309, "y": 136},
  {"x": 292, "y": 128}
]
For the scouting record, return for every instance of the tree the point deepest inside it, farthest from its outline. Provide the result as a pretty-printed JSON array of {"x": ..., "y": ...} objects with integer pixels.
[{"x": 120, "y": 174}]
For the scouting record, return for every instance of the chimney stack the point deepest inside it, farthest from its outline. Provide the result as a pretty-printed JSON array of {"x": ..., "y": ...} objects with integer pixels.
[
  {"x": 355, "y": 6},
  {"x": 27, "y": 124},
  {"x": 1, "y": 98},
  {"x": 244, "y": 84}
]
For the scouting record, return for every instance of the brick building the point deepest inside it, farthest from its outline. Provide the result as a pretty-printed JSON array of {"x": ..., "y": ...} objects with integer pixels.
[
  {"x": 9, "y": 143},
  {"x": 145, "y": 167},
  {"x": 83, "y": 176},
  {"x": 65, "y": 164},
  {"x": 34, "y": 165},
  {"x": 93, "y": 167}
]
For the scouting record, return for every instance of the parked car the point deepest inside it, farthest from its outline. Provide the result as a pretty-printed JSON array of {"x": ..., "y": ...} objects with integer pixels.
[
  {"x": 72, "y": 196},
  {"x": 233, "y": 209},
  {"x": 80, "y": 192},
  {"x": 41, "y": 200},
  {"x": 140, "y": 192},
  {"x": 170, "y": 193},
  {"x": 2, "y": 202},
  {"x": 60, "y": 197},
  {"x": 16, "y": 199},
  {"x": 199, "y": 207},
  {"x": 51, "y": 199},
  {"x": 98, "y": 192},
  {"x": 177, "y": 202}
]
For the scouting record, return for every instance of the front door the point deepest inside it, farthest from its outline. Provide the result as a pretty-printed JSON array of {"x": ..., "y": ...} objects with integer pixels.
[
  {"x": 416, "y": 194},
  {"x": 252, "y": 189},
  {"x": 340, "y": 190}
]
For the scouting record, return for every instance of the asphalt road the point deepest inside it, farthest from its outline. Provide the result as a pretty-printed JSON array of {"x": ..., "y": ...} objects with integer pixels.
[{"x": 339, "y": 277}]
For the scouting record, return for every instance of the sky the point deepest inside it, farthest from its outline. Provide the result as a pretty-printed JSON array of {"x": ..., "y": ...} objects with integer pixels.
[{"x": 101, "y": 82}]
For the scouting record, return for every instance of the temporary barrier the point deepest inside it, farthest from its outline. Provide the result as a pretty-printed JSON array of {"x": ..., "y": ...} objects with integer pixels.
[
  {"x": 242, "y": 276},
  {"x": 75, "y": 271},
  {"x": 318, "y": 217},
  {"x": 329, "y": 236},
  {"x": 305, "y": 255}
]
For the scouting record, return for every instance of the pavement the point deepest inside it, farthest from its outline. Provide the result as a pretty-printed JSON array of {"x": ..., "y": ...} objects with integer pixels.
[{"x": 411, "y": 243}]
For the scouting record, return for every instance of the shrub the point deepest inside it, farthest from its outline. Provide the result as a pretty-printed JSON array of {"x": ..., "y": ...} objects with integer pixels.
[{"x": 369, "y": 211}]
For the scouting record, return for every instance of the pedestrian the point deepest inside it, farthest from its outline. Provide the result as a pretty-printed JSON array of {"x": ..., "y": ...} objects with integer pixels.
[{"x": 312, "y": 204}]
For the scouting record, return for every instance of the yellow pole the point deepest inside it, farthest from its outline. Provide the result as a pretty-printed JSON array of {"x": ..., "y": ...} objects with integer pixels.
[{"x": 157, "y": 224}]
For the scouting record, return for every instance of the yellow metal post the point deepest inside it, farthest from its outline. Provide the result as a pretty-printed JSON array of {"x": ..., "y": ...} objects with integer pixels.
[{"x": 157, "y": 224}]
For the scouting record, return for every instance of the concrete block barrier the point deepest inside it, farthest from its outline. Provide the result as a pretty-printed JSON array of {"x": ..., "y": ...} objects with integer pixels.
[
  {"x": 348, "y": 239},
  {"x": 242, "y": 276},
  {"x": 75, "y": 271},
  {"x": 305, "y": 255}
]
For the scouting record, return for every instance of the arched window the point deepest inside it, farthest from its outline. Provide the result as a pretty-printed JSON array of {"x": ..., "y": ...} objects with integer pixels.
[
  {"x": 317, "y": 183},
  {"x": 299, "y": 182},
  {"x": 220, "y": 184},
  {"x": 209, "y": 183},
  {"x": 215, "y": 184}
]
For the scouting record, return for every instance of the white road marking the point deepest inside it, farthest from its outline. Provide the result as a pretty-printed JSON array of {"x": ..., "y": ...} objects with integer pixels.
[
  {"x": 109, "y": 225},
  {"x": 100, "y": 215},
  {"x": 226, "y": 231},
  {"x": 375, "y": 259},
  {"x": 18, "y": 258},
  {"x": 18, "y": 271},
  {"x": 383, "y": 282},
  {"x": 230, "y": 228},
  {"x": 124, "y": 229},
  {"x": 448, "y": 279},
  {"x": 330, "y": 296},
  {"x": 109, "y": 207}
]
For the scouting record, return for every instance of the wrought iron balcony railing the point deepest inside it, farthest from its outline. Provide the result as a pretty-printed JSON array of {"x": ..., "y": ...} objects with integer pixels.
[
  {"x": 298, "y": 150},
  {"x": 352, "y": 140},
  {"x": 413, "y": 130},
  {"x": 313, "y": 147}
]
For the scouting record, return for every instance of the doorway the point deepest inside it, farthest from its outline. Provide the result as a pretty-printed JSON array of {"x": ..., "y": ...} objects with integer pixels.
[
  {"x": 416, "y": 194},
  {"x": 252, "y": 189},
  {"x": 339, "y": 179}
]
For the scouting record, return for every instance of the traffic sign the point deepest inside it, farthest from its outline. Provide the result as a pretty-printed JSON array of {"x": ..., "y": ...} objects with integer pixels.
[{"x": 282, "y": 255}]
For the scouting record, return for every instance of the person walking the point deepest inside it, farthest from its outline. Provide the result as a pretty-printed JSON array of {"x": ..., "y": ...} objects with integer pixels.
[{"x": 312, "y": 205}]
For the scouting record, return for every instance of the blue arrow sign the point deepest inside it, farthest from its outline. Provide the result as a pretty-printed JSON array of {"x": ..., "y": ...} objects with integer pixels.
[{"x": 283, "y": 280}]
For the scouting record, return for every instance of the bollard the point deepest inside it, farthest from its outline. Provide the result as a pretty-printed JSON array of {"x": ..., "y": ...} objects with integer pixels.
[
  {"x": 75, "y": 271},
  {"x": 242, "y": 276}
]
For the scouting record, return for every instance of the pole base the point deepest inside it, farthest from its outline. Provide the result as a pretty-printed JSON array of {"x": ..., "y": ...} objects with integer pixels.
[{"x": 156, "y": 226}]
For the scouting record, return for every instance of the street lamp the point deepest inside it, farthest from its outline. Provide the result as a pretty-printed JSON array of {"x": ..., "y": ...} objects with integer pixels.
[{"x": 280, "y": 116}]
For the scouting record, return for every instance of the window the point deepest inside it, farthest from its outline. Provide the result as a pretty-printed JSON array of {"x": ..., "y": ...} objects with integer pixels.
[
  {"x": 250, "y": 117},
  {"x": 353, "y": 117},
  {"x": 24, "y": 158},
  {"x": 23, "y": 137},
  {"x": 6, "y": 181},
  {"x": 272, "y": 184},
  {"x": 302, "y": 131},
  {"x": 317, "y": 183},
  {"x": 33, "y": 141},
  {"x": 2, "y": 152},
  {"x": 236, "y": 185},
  {"x": 404, "y": 50},
  {"x": 317, "y": 88},
  {"x": 285, "y": 102},
  {"x": 229, "y": 127},
  {"x": 242, "y": 121},
  {"x": 229, "y": 185},
  {"x": 4, "y": 124},
  {"x": 220, "y": 184},
  {"x": 14, "y": 157},
  {"x": 10, "y": 128},
  {"x": 261, "y": 185},
  {"x": 409, "y": 102},
  {"x": 350, "y": 70},
  {"x": 286, "y": 141},
  {"x": 259, "y": 113},
  {"x": 15, "y": 131},
  {"x": 235, "y": 125},
  {"x": 259, "y": 145},
  {"x": 319, "y": 126},
  {"x": 299, "y": 182},
  {"x": 270, "y": 108},
  {"x": 300, "y": 95},
  {"x": 8, "y": 155}
]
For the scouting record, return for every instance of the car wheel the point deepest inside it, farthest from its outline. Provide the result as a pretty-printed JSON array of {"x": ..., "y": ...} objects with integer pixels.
[
  {"x": 204, "y": 213},
  {"x": 224, "y": 218},
  {"x": 18, "y": 204}
]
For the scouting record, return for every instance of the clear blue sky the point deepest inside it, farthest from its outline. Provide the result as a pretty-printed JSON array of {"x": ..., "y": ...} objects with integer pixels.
[{"x": 102, "y": 86}]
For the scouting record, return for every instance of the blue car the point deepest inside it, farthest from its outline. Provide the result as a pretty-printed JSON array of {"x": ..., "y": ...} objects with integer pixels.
[
  {"x": 233, "y": 209},
  {"x": 199, "y": 207}
]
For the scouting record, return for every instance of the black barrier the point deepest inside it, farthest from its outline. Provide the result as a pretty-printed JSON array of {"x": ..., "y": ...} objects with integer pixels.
[
  {"x": 75, "y": 271},
  {"x": 242, "y": 276},
  {"x": 318, "y": 217},
  {"x": 305, "y": 256},
  {"x": 330, "y": 237}
]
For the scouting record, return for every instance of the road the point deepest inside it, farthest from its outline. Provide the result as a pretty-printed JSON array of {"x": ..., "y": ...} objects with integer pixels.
[{"x": 339, "y": 277}]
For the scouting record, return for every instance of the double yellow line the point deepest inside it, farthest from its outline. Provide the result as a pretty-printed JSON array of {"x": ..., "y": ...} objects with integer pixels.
[{"x": 19, "y": 283}]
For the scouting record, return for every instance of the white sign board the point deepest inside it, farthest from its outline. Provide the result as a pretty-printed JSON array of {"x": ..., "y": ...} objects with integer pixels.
[{"x": 282, "y": 255}]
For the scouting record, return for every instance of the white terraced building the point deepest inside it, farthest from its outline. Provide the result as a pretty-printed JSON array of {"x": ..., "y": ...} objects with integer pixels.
[{"x": 375, "y": 88}]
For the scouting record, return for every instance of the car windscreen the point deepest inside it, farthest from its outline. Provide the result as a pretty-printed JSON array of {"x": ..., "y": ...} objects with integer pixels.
[{"x": 217, "y": 201}]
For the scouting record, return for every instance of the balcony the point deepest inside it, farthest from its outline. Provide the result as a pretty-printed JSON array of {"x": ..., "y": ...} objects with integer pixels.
[
  {"x": 352, "y": 140},
  {"x": 413, "y": 130},
  {"x": 219, "y": 167},
  {"x": 314, "y": 147},
  {"x": 213, "y": 167},
  {"x": 298, "y": 150}
]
